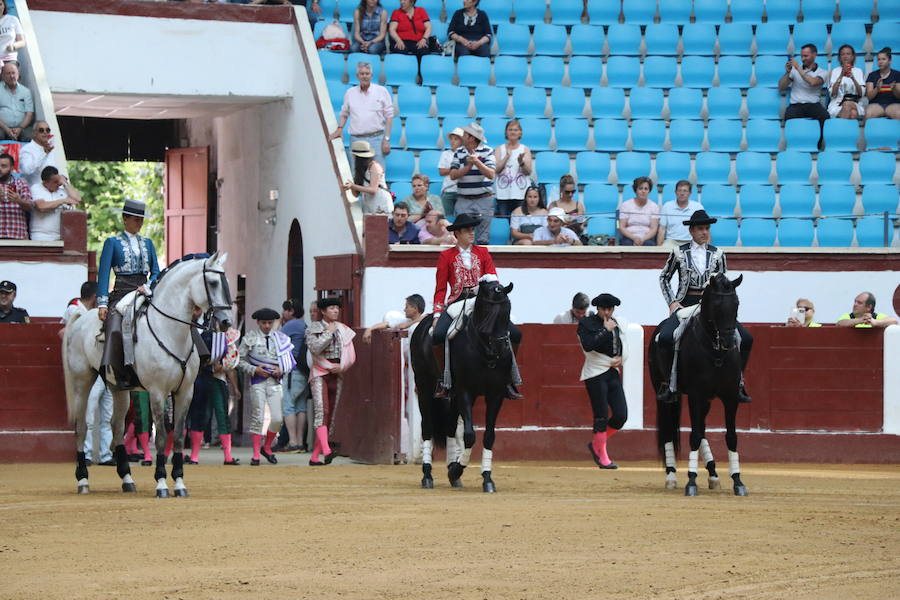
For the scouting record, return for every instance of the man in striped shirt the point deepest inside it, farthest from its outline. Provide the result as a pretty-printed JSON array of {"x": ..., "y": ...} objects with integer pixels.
[{"x": 473, "y": 168}]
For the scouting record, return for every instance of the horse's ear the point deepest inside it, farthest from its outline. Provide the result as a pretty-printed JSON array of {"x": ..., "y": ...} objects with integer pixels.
[
  {"x": 222, "y": 258},
  {"x": 737, "y": 281},
  {"x": 508, "y": 288},
  {"x": 212, "y": 259}
]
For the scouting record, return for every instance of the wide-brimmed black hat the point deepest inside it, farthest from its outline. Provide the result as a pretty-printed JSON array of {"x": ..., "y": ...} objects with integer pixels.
[
  {"x": 134, "y": 208},
  {"x": 464, "y": 221},
  {"x": 605, "y": 301},
  {"x": 324, "y": 303},
  {"x": 699, "y": 218},
  {"x": 265, "y": 314}
]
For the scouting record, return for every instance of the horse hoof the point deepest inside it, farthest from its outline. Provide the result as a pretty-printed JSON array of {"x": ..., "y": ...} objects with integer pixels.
[
  {"x": 488, "y": 487},
  {"x": 455, "y": 471},
  {"x": 162, "y": 493},
  {"x": 182, "y": 493},
  {"x": 715, "y": 484},
  {"x": 84, "y": 489},
  {"x": 740, "y": 490},
  {"x": 427, "y": 483},
  {"x": 457, "y": 483},
  {"x": 129, "y": 487},
  {"x": 690, "y": 490},
  {"x": 670, "y": 484}
]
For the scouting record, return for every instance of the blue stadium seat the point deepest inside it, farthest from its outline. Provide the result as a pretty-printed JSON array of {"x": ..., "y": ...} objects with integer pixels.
[
  {"x": 870, "y": 232},
  {"x": 422, "y": 133},
  {"x": 735, "y": 71},
  {"x": 796, "y": 233},
  {"x": 768, "y": 70},
  {"x": 603, "y": 13},
  {"x": 428, "y": 163},
  {"x": 809, "y": 33},
  {"x": 530, "y": 12},
  {"x": 399, "y": 165},
  {"x": 881, "y": 133},
  {"x": 672, "y": 167},
  {"x": 346, "y": 10},
  {"x": 623, "y": 71},
  {"x": 834, "y": 167},
  {"x": 537, "y": 132},
  {"x": 712, "y": 167},
  {"x": 793, "y": 167},
  {"x": 319, "y": 28},
  {"x": 842, "y": 135},
  {"x": 724, "y": 135},
  {"x": 685, "y": 103},
  {"x": 547, "y": 71},
  {"x": 600, "y": 198},
  {"x": 585, "y": 71},
  {"x": 498, "y": 10},
  {"x": 414, "y": 100},
  {"x": 834, "y": 233},
  {"x": 686, "y": 135},
  {"x": 624, "y": 40},
  {"x": 757, "y": 233},
  {"x": 550, "y": 39},
  {"x": 529, "y": 102},
  {"x": 396, "y": 136},
  {"x": 647, "y": 135},
  {"x": 660, "y": 71},
  {"x": 782, "y": 11},
  {"x": 439, "y": 30},
  {"x": 510, "y": 71},
  {"x": 764, "y": 103},
  {"x": 837, "y": 200},
  {"x": 763, "y": 135},
  {"x": 710, "y": 11},
  {"x": 735, "y": 39},
  {"x": 336, "y": 91},
  {"x": 631, "y": 165},
  {"x": 878, "y": 198},
  {"x": 757, "y": 200},
  {"x": 495, "y": 130},
  {"x": 747, "y": 11},
  {"x": 550, "y": 166},
  {"x": 697, "y": 71},
  {"x": 607, "y": 102},
  {"x": 724, "y": 103},
  {"x": 610, "y": 134},
  {"x": 436, "y": 69},
  {"x": 592, "y": 167},
  {"x": 499, "y": 234},
  {"x": 797, "y": 200},
  {"x": 662, "y": 39},
  {"x": 567, "y": 102},
  {"x": 753, "y": 167},
  {"x": 587, "y": 40},
  {"x": 639, "y": 12},
  {"x": 402, "y": 68},
  {"x": 490, "y": 100},
  {"x": 886, "y": 32},
  {"x": 773, "y": 38},
  {"x": 472, "y": 70},
  {"x": 571, "y": 134},
  {"x": 601, "y": 225},
  {"x": 675, "y": 11},
  {"x": 699, "y": 39},
  {"x": 848, "y": 33},
  {"x": 452, "y": 100},
  {"x": 818, "y": 11},
  {"x": 565, "y": 12},
  {"x": 724, "y": 233},
  {"x": 802, "y": 134},
  {"x": 646, "y": 103},
  {"x": 877, "y": 167},
  {"x": 513, "y": 40},
  {"x": 334, "y": 65},
  {"x": 719, "y": 200}
]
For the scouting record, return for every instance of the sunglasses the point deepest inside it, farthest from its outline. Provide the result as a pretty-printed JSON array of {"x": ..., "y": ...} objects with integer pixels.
[
  {"x": 43, "y": 130},
  {"x": 568, "y": 192},
  {"x": 805, "y": 308}
]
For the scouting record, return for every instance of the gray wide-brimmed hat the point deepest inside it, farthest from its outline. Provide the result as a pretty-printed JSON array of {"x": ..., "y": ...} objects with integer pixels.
[
  {"x": 475, "y": 130},
  {"x": 135, "y": 208}
]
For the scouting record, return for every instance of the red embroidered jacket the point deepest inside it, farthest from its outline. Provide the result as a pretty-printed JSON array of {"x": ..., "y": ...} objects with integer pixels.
[{"x": 450, "y": 269}]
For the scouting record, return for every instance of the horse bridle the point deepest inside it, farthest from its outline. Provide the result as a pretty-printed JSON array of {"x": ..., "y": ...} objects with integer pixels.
[{"x": 717, "y": 342}]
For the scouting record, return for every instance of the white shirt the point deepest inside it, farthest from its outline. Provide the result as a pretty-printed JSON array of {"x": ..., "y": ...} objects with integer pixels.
[
  {"x": 367, "y": 111},
  {"x": 598, "y": 364},
  {"x": 698, "y": 255},
  {"x": 71, "y": 309},
  {"x": 466, "y": 256},
  {"x": 9, "y": 28},
  {"x": 133, "y": 242},
  {"x": 44, "y": 226},
  {"x": 802, "y": 92},
  {"x": 33, "y": 159},
  {"x": 672, "y": 218},
  {"x": 444, "y": 162},
  {"x": 543, "y": 234}
]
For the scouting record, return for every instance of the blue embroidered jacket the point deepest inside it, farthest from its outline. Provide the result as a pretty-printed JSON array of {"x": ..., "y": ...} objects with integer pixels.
[{"x": 119, "y": 256}]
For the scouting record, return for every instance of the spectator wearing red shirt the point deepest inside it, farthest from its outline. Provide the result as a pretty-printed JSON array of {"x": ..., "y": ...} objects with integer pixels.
[
  {"x": 15, "y": 201},
  {"x": 410, "y": 29}
]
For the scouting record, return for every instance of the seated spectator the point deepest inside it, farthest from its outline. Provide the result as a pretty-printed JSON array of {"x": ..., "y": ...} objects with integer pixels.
[
  {"x": 52, "y": 196},
  {"x": 672, "y": 231},
  {"x": 400, "y": 229},
  {"x": 471, "y": 29},
  {"x": 564, "y": 197},
  {"x": 864, "y": 315},
  {"x": 433, "y": 230},
  {"x": 413, "y": 311},
  {"x": 369, "y": 27},
  {"x": 846, "y": 84},
  {"x": 805, "y": 81},
  {"x": 8, "y": 312},
  {"x": 883, "y": 89},
  {"x": 802, "y": 314},
  {"x": 37, "y": 154},
  {"x": 410, "y": 29},
  {"x": 529, "y": 217},
  {"x": 448, "y": 187},
  {"x": 368, "y": 181},
  {"x": 11, "y": 36},
  {"x": 639, "y": 216},
  {"x": 15, "y": 201},
  {"x": 514, "y": 169},
  {"x": 575, "y": 314},
  {"x": 420, "y": 202},
  {"x": 16, "y": 105},
  {"x": 553, "y": 233}
]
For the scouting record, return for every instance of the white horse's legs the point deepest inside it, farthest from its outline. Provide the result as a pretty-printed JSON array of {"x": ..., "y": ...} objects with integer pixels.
[
  {"x": 691, "y": 489},
  {"x": 182, "y": 403},
  {"x": 427, "y": 478},
  {"x": 670, "y": 466},
  {"x": 81, "y": 388},
  {"x": 707, "y": 455}
]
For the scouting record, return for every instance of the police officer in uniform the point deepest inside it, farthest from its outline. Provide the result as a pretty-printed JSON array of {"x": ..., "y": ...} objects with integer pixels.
[{"x": 8, "y": 312}]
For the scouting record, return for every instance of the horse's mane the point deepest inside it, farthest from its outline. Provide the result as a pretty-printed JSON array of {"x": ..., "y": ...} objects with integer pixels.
[
  {"x": 488, "y": 313},
  {"x": 184, "y": 259}
]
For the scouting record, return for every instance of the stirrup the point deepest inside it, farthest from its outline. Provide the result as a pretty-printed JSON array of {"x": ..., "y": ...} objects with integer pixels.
[
  {"x": 743, "y": 396},
  {"x": 441, "y": 392},
  {"x": 512, "y": 392},
  {"x": 664, "y": 396}
]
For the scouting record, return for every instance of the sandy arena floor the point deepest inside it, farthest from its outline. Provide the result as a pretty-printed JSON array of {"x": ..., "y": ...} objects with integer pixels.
[{"x": 349, "y": 531}]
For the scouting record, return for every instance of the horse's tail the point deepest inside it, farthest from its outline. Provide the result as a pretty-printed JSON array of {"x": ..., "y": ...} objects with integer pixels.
[
  {"x": 668, "y": 425},
  {"x": 72, "y": 404}
]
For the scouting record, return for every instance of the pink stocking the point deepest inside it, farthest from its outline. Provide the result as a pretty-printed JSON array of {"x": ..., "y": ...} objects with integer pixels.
[
  {"x": 270, "y": 435},
  {"x": 170, "y": 441},
  {"x": 600, "y": 447},
  {"x": 130, "y": 440},
  {"x": 257, "y": 442},
  {"x": 610, "y": 431},
  {"x": 144, "y": 439},
  {"x": 226, "y": 446},
  {"x": 196, "y": 440}
]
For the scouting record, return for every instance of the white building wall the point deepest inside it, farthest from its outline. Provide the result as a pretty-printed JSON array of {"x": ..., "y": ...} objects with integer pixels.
[{"x": 46, "y": 300}]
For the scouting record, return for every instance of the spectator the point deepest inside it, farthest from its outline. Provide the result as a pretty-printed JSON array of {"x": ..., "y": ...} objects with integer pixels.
[
  {"x": 575, "y": 314},
  {"x": 473, "y": 168},
  {"x": 639, "y": 216},
  {"x": 400, "y": 230},
  {"x": 420, "y": 202},
  {"x": 11, "y": 36},
  {"x": 448, "y": 188},
  {"x": 553, "y": 233},
  {"x": 471, "y": 29},
  {"x": 369, "y": 27},
  {"x": 37, "y": 154},
  {"x": 413, "y": 311},
  {"x": 672, "y": 231},
  {"x": 434, "y": 230},
  {"x": 295, "y": 386},
  {"x": 566, "y": 199},
  {"x": 514, "y": 169},
  {"x": 864, "y": 315},
  {"x": 15, "y": 201},
  {"x": 368, "y": 181},
  {"x": 410, "y": 29},
  {"x": 53, "y": 195},
  {"x": 846, "y": 84},
  {"x": 8, "y": 312},
  {"x": 528, "y": 218},
  {"x": 883, "y": 89},
  {"x": 806, "y": 83},
  {"x": 802, "y": 314},
  {"x": 370, "y": 109},
  {"x": 16, "y": 105}
]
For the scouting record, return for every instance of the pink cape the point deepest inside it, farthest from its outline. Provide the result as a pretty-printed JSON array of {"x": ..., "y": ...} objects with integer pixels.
[{"x": 322, "y": 366}]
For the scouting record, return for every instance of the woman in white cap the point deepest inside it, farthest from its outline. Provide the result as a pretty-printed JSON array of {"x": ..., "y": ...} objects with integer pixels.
[{"x": 368, "y": 181}]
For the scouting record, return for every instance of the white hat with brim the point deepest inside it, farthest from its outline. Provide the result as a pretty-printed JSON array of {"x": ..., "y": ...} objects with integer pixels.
[
  {"x": 557, "y": 212},
  {"x": 475, "y": 130},
  {"x": 458, "y": 132},
  {"x": 362, "y": 149}
]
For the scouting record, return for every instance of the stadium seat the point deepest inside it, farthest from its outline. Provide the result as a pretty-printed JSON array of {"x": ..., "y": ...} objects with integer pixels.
[
  {"x": 631, "y": 165},
  {"x": 757, "y": 233},
  {"x": 623, "y": 71},
  {"x": 333, "y": 65},
  {"x": 724, "y": 232},
  {"x": 871, "y": 233},
  {"x": 881, "y": 133},
  {"x": 782, "y": 11},
  {"x": 530, "y": 12},
  {"x": 428, "y": 163},
  {"x": 336, "y": 91},
  {"x": 439, "y": 30},
  {"x": 550, "y": 39},
  {"x": 536, "y": 132},
  {"x": 660, "y": 71},
  {"x": 319, "y": 28},
  {"x": 763, "y": 135},
  {"x": 837, "y": 200},
  {"x": 422, "y": 133},
  {"x": 879, "y": 198},
  {"x": 601, "y": 225},
  {"x": 796, "y": 233},
  {"x": 886, "y": 31},
  {"x": 848, "y": 33},
  {"x": 672, "y": 167},
  {"x": 514, "y": 40},
  {"x": 697, "y": 71},
  {"x": 472, "y": 70},
  {"x": 764, "y": 103},
  {"x": 399, "y": 165},
  {"x": 607, "y": 102},
  {"x": 724, "y": 103},
  {"x": 495, "y": 130},
  {"x": 585, "y": 71},
  {"x": 499, "y": 232},
  {"x": 510, "y": 71},
  {"x": 529, "y": 102},
  {"x": 571, "y": 134},
  {"x": 498, "y": 10},
  {"x": 639, "y": 12},
  {"x": 802, "y": 134},
  {"x": 712, "y": 167},
  {"x": 414, "y": 100},
  {"x": 699, "y": 39},
  {"x": 685, "y": 103},
  {"x": 396, "y": 135},
  {"x": 565, "y": 12},
  {"x": 772, "y": 38},
  {"x": 809, "y": 33},
  {"x": 677, "y": 12},
  {"x": 735, "y": 71},
  {"x": 797, "y": 200},
  {"x": 686, "y": 135},
  {"x": 550, "y": 166},
  {"x": 735, "y": 39},
  {"x": 724, "y": 135},
  {"x": 834, "y": 167},
  {"x": 624, "y": 40},
  {"x": 567, "y": 102},
  {"x": 592, "y": 167},
  {"x": 437, "y": 70},
  {"x": 719, "y": 200},
  {"x": 547, "y": 71},
  {"x": 842, "y": 135},
  {"x": 603, "y": 13},
  {"x": 401, "y": 69},
  {"x": 834, "y": 233},
  {"x": 587, "y": 40},
  {"x": 432, "y": 7},
  {"x": 757, "y": 200},
  {"x": 490, "y": 100},
  {"x": 768, "y": 70},
  {"x": 877, "y": 167},
  {"x": 753, "y": 167},
  {"x": 647, "y": 135},
  {"x": 645, "y": 103},
  {"x": 793, "y": 167},
  {"x": 610, "y": 135},
  {"x": 710, "y": 11},
  {"x": 600, "y": 199},
  {"x": 747, "y": 11},
  {"x": 452, "y": 100},
  {"x": 818, "y": 11},
  {"x": 661, "y": 39}
]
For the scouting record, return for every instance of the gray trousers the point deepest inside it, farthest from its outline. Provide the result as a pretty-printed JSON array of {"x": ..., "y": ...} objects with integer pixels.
[{"x": 483, "y": 207}]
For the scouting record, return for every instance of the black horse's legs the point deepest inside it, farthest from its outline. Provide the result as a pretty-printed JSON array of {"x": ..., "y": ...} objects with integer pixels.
[
  {"x": 671, "y": 480},
  {"x": 427, "y": 479},
  {"x": 463, "y": 400},
  {"x": 698, "y": 432},
  {"x": 734, "y": 465},
  {"x": 707, "y": 456},
  {"x": 81, "y": 473},
  {"x": 492, "y": 410}
]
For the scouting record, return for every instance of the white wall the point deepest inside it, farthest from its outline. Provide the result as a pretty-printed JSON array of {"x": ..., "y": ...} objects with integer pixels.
[{"x": 44, "y": 300}]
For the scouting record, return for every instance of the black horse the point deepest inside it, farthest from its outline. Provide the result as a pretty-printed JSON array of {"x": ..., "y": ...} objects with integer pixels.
[{"x": 709, "y": 364}]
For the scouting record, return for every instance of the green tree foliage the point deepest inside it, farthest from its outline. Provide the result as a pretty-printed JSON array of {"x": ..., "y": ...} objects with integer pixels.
[{"x": 105, "y": 185}]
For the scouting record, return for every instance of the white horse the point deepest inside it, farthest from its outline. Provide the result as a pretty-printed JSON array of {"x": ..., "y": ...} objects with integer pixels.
[{"x": 165, "y": 362}]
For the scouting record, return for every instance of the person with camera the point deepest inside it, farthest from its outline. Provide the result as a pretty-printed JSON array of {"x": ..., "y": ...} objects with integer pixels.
[
  {"x": 802, "y": 314},
  {"x": 846, "y": 84}
]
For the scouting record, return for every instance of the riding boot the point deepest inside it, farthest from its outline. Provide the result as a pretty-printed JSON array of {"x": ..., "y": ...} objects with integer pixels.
[
  {"x": 743, "y": 396},
  {"x": 440, "y": 391},
  {"x": 663, "y": 395},
  {"x": 512, "y": 392}
]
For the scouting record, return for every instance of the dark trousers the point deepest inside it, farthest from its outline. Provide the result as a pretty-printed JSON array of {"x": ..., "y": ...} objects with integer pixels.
[
  {"x": 808, "y": 110},
  {"x": 483, "y": 50},
  {"x": 505, "y": 207},
  {"x": 605, "y": 391},
  {"x": 443, "y": 325}
]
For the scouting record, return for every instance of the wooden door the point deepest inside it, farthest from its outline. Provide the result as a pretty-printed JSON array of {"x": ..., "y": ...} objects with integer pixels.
[{"x": 187, "y": 174}]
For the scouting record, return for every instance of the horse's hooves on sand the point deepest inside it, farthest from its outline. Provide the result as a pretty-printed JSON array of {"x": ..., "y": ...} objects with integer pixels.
[
  {"x": 454, "y": 472},
  {"x": 488, "y": 487},
  {"x": 427, "y": 483},
  {"x": 457, "y": 483},
  {"x": 690, "y": 490},
  {"x": 671, "y": 484},
  {"x": 129, "y": 487},
  {"x": 84, "y": 489},
  {"x": 740, "y": 490},
  {"x": 715, "y": 484},
  {"x": 162, "y": 493},
  {"x": 181, "y": 493}
]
